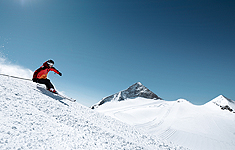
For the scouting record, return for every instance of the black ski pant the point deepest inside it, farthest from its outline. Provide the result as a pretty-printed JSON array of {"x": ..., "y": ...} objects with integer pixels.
[{"x": 47, "y": 82}]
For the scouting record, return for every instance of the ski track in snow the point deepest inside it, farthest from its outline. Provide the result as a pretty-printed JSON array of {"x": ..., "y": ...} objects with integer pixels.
[
  {"x": 166, "y": 130},
  {"x": 31, "y": 119}
]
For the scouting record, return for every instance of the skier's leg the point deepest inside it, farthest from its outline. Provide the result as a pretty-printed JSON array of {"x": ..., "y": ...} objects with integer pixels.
[{"x": 47, "y": 82}]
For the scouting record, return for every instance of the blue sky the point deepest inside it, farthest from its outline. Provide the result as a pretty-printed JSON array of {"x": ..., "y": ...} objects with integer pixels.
[{"x": 176, "y": 48}]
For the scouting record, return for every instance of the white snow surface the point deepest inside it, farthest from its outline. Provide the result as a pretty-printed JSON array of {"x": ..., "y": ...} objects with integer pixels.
[
  {"x": 33, "y": 118},
  {"x": 205, "y": 127}
]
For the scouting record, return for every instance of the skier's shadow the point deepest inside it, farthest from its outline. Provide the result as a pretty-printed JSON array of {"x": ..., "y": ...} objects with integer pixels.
[{"x": 56, "y": 97}]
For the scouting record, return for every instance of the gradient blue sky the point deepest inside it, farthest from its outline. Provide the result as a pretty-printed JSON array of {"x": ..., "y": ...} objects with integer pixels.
[{"x": 176, "y": 48}]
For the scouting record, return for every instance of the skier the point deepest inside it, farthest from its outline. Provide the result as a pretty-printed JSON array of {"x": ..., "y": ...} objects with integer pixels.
[{"x": 40, "y": 75}]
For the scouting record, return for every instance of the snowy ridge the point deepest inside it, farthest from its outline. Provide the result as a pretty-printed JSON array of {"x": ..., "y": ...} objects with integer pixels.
[
  {"x": 136, "y": 90},
  {"x": 32, "y": 118},
  {"x": 195, "y": 127},
  {"x": 224, "y": 103}
]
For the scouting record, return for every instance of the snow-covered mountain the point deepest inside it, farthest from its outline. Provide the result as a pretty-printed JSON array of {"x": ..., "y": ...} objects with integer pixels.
[
  {"x": 33, "y": 118},
  {"x": 224, "y": 103},
  {"x": 136, "y": 90},
  {"x": 209, "y": 126}
]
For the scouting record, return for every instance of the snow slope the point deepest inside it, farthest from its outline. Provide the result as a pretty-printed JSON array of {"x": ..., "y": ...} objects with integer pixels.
[
  {"x": 33, "y": 118},
  {"x": 206, "y": 127}
]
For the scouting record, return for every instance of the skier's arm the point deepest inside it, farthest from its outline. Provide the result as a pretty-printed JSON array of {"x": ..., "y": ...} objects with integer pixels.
[{"x": 56, "y": 71}]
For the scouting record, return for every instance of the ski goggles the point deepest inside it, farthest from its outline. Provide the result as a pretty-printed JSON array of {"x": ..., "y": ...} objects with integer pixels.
[{"x": 50, "y": 64}]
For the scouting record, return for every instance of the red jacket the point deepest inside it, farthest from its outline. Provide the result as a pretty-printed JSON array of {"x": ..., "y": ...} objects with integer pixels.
[{"x": 41, "y": 73}]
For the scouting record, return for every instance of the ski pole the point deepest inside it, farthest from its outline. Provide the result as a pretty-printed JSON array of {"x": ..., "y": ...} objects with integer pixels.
[{"x": 15, "y": 77}]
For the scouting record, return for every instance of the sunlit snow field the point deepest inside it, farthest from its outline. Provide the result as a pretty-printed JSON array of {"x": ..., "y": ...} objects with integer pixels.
[
  {"x": 195, "y": 127},
  {"x": 34, "y": 119}
]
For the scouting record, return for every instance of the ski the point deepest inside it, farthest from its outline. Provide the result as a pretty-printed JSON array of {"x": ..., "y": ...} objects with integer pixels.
[
  {"x": 41, "y": 87},
  {"x": 68, "y": 98}
]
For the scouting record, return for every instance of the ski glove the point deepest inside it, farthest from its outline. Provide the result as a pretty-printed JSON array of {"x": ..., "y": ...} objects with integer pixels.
[{"x": 60, "y": 73}]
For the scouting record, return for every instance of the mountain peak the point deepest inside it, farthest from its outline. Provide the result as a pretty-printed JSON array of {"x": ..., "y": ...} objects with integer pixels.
[
  {"x": 138, "y": 83},
  {"x": 135, "y": 90},
  {"x": 222, "y": 100},
  {"x": 224, "y": 103}
]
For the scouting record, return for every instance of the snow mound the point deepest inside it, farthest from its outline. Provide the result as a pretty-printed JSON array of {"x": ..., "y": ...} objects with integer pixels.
[
  {"x": 32, "y": 118},
  {"x": 183, "y": 101},
  {"x": 136, "y": 90}
]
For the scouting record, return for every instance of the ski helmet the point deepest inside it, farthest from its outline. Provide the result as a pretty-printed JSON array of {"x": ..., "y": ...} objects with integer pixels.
[{"x": 50, "y": 62}]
